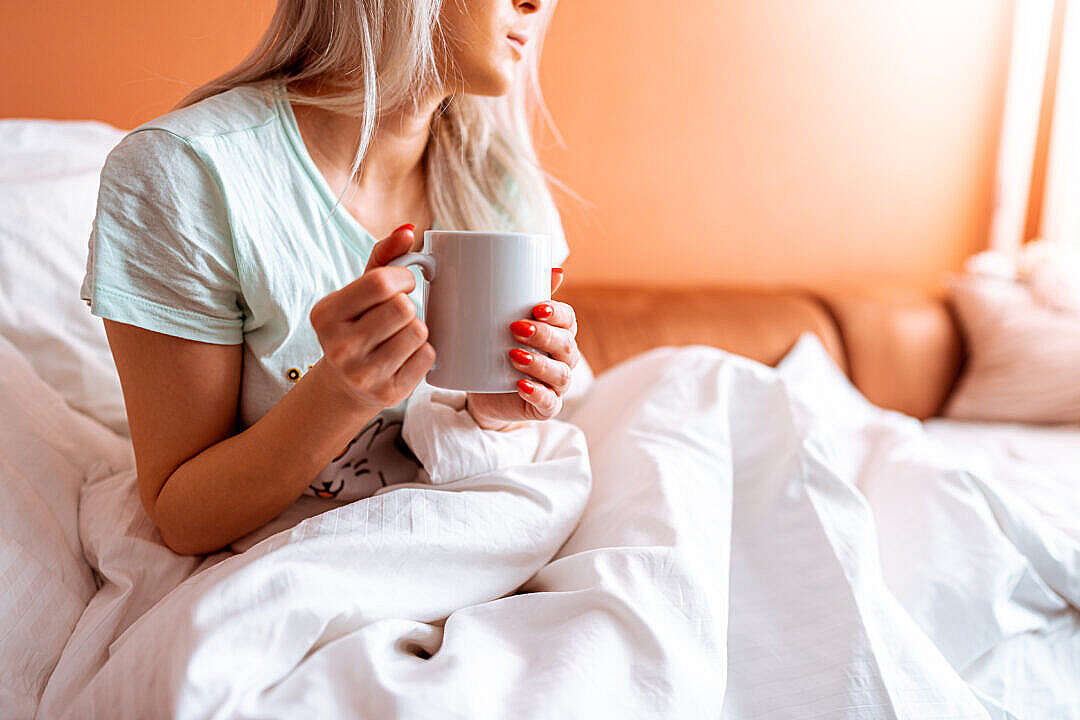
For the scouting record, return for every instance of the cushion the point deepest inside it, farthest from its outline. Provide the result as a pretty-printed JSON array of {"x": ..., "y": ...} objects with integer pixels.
[
  {"x": 903, "y": 347},
  {"x": 48, "y": 192},
  {"x": 47, "y": 451},
  {"x": 1023, "y": 353}
]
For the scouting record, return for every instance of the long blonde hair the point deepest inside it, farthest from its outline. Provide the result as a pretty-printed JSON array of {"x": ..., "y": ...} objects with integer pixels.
[{"x": 481, "y": 165}]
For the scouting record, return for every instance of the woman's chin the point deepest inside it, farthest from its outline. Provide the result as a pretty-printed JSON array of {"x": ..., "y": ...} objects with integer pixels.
[{"x": 493, "y": 84}]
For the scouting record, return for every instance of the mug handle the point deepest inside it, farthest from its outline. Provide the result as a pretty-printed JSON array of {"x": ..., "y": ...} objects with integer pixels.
[{"x": 424, "y": 260}]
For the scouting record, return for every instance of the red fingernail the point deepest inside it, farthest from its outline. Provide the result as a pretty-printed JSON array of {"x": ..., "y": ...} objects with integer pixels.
[
  {"x": 520, "y": 356},
  {"x": 557, "y": 270},
  {"x": 542, "y": 311},
  {"x": 525, "y": 386},
  {"x": 522, "y": 328},
  {"x": 406, "y": 226}
]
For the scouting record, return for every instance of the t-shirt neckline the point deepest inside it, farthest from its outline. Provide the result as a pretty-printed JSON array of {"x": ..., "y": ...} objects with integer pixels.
[{"x": 349, "y": 224}]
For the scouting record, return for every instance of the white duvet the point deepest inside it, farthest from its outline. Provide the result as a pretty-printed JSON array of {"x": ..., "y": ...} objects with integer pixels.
[{"x": 710, "y": 538}]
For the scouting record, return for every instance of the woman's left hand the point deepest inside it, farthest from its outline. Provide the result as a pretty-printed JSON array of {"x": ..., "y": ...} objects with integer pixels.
[{"x": 552, "y": 329}]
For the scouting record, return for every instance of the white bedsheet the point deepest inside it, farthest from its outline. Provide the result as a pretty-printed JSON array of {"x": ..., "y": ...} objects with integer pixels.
[
  {"x": 757, "y": 543},
  {"x": 1039, "y": 463}
]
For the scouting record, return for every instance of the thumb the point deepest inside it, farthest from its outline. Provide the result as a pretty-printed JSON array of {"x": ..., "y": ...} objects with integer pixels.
[
  {"x": 399, "y": 242},
  {"x": 556, "y": 279}
]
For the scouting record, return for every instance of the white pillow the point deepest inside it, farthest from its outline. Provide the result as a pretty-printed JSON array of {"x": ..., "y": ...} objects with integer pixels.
[
  {"x": 49, "y": 172},
  {"x": 1023, "y": 354},
  {"x": 47, "y": 451}
]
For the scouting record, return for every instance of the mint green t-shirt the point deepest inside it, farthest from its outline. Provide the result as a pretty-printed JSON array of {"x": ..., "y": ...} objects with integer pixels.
[{"x": 214, "y": 224}]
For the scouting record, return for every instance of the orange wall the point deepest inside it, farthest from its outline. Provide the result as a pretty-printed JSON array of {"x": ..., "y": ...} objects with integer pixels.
[
  {"x": 819, "y": 142},
  {"x": 121, "y": 61}
]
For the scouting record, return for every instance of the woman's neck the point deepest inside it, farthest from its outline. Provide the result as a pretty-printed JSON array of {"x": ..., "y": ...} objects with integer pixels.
[{"x": 391, "y": 177}]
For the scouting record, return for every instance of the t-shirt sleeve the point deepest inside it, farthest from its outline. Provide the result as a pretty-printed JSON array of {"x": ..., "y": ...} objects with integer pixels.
[{"x": 161, "y": 252}]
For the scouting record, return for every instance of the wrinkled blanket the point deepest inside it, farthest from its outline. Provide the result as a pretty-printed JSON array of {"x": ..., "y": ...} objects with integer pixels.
[{"x": 703, "y": 537}]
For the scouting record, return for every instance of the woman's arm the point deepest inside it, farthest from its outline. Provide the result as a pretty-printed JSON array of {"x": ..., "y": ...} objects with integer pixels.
[{"x": 201, "y": 483}]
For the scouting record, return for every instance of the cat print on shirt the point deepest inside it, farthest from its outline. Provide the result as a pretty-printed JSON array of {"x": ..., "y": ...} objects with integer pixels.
[{"x": 376, "y": 457}]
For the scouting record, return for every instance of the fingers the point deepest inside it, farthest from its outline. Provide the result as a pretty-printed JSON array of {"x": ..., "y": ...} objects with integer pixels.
[
  {"x": 365, "y": 292},
  {"x": 378, "y": 283},
  {"x": 557, "y": 342},
  {"x": 556, "y": 279},
  {"x": 550, "y": 375},
  {"x": 545, "y": 402},
  {"x": 391, "y": 354},
  {"x": 399, "y": 242},
  {"x": 381, "y": 322},
  {"x": 415, "y": 368},
  {"x": 556, "y": 313},
  {"x": 551, "y": 372}
]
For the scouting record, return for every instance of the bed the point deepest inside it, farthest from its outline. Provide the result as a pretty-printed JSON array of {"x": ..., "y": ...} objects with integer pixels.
[{"x": 752, "y": 511}]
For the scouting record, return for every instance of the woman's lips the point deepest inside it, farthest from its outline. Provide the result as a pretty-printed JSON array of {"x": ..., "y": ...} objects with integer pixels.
[{"x": 517, "y": 44}]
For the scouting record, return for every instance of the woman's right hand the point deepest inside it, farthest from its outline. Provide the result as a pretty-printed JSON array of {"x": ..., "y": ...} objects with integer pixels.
[{"x": 369, "y": 332}]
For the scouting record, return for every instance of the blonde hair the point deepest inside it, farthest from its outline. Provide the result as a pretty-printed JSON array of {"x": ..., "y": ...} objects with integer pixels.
[{"x": 481, "y": 166}]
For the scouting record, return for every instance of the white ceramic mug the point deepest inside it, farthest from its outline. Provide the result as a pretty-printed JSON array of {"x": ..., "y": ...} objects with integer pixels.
[{"x": 477, "y": 284}]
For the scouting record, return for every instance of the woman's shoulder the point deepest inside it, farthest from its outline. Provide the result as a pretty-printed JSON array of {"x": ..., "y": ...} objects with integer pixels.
[
  {"x": 242, "y": 108},
  {"x": 172, "y": 170},
  {"x": 185, "y": 144}
]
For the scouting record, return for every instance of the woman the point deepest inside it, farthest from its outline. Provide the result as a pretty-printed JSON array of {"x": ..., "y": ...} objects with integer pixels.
[{"x": 264, "y": 350}]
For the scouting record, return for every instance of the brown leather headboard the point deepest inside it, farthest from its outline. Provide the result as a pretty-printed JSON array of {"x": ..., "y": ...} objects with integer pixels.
[
  {"x": 616, "y": 323},
  {"x": 901, "y": 349}
]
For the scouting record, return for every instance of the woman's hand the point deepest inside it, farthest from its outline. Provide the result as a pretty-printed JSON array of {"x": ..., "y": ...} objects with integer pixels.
[
  {"x": 369, "y": 331},
  {"x": 552, "y": 329}
]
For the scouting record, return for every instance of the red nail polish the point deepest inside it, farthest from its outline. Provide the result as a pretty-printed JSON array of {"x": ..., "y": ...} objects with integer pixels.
[
  {"x": 520, "y": 356},
  {"x": 557, "y": 270},
  {"x": 406, "y": 226},
  {"x": 525, "y": 386},
  {"x": 522, "y": 328},
  {"x": 542, "y": 311}
]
